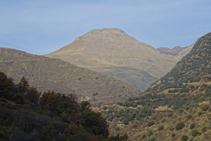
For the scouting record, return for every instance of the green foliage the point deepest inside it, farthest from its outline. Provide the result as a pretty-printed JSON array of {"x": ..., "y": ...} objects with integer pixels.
[
  {"x": 55, "y": 117},
  {"x": 173, "y": 135},
  {"x": 184, "y": 138},
  {"x": 161, "y": 127},
  {"x": 192, "y": 125},
  {"x": 152, "y": 139},
  {"x": 199, "y": 113},
  {"x": 23, "y": 86},
  {"x": 205, "y": 108},
  {"x": 189, "y": 116},
  {"x": 195, "y": 133},
  {"x": 180, "y": 125},
  {"x": 204, "y": 129},
  {"x": 95, "y": 94},
  {"x": 150, "y": 123},
  {"x": 144, "y": 136},
  {"x": 48, "y": 132},
  {"x": 150, "y": 133},
  {"x": 125, "y": 121}
]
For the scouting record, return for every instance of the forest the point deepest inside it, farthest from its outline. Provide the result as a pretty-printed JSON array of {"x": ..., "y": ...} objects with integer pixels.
[{"x": 27, "y": 114}]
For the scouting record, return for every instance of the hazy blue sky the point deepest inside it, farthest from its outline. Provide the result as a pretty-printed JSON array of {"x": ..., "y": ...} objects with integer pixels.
[{"x": 43, "y": 26}]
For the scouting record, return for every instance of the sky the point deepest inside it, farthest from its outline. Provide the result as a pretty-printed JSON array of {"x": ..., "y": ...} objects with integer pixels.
[{"x": 43, "y": 26}]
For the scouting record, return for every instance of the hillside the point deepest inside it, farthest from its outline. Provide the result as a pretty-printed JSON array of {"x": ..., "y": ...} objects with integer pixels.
[
  {"x": 116, "y": 54},
  {"x": 54, "y": 74},
  {"x": 25, "y": 116},
  {"x": 190, "y": 68},
  {"x": 177, "y": 107}
]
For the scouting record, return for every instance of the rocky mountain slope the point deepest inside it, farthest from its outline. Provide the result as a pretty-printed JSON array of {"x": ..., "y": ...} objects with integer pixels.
[
  {"x": 116, "y": 54},
  {"x": 177, "y": 107},
  {"x": 195, "y": 64},
  {"x": 54, "y": 74}
]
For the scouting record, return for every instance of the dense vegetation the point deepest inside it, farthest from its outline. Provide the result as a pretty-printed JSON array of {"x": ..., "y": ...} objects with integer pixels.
[{"x": 53, "y": 116}]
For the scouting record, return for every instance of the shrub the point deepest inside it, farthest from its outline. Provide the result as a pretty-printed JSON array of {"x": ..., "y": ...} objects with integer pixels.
[
  {"x": 170, "y": 114},
  {"x": 192, "y": 125},
  {"x": 204, "y": 129},
  {"x": 150, "y": 133},
  {"x": 144, "y": 136},
  {"x": 95, "y": 94},
  {"x": 200, "y": 113},
  {"x": 195, "y": 133},
  {"x": 161, "y": 127},
  {"x": 173, "y": 135},
  {"x": 184, "y": 138},
  {"x": 189, "y": 116},
  {"x": 180, "y": 125},
  {"x": 153, "y": 139},
  {"x": 205, "y": 108},
  {"x": 125, "y": 121},
  {"x": 150, "y": 123},
  {"x": 172, "y": 128},
  {"x": 181, "y": 110}
]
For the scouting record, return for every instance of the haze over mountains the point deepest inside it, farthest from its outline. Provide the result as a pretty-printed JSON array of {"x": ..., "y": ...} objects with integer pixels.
[
  {"x": 114, "y": 53},
  {"x": 54, "y": 74}
]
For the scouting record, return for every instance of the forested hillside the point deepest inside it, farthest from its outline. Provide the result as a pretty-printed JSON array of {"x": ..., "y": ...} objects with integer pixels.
[{"x": 25, "y": 116}]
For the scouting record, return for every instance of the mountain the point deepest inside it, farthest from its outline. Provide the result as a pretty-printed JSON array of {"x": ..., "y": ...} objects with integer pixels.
[
  {"x": 54, "y": 74},
  {"x": 113, "y": 52},
  {"x": 176, "y": 107},
  {"x": 194, "y": 65}
]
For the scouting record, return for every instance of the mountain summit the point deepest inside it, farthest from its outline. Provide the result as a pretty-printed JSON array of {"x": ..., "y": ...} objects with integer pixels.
[{"x": 113, "y": 52}]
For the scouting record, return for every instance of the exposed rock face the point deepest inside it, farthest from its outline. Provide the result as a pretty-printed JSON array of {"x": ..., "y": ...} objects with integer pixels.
[
  {"x": 116, "y": 54},
  {"x": 54, "y": 74}
]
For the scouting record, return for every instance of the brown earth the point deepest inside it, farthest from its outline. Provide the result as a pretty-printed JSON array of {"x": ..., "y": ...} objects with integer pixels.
[
  {"x": 54, "y": 74},
  {"x": 116, "y": 54}
]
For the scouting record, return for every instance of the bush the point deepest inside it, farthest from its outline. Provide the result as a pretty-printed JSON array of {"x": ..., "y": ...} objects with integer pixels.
[
  {"x": 144, "y": 136},
  {"x": 161, "y": 127},
  {"x": 170, "y": 114},
  {"x": 153, "y": 139},
  {"x": 184, "y": 138},
  {"x": 204, "y": 129},
  {"x": 173, "y": 135},
  {"x": 180, "y": 125},
  {"x": 200, "y": 113},
  {"x": 150, "y": 123},
  {"x": 150, "y": 133},
  {"x": 195, "y": 133},
  {"x": 172, "y": 128},
  {"x": 189, "y": 116},
  {"x": 205, "y": 108},
  {"x": 192, "y": 125},
  {"x": 125, "y": 121},
  {"x": 181, "y": 110}
]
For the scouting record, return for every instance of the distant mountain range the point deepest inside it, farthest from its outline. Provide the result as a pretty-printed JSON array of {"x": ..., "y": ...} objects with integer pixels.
[
  {"x": 54, "y": 74},
  {"x": 114, "y": 53}
]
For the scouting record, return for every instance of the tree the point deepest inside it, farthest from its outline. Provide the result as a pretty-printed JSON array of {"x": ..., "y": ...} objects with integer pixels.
[
  {"x": 32, "y": 95},
  {"x": 23, "y": 86},
  {"x": 94, "y": 123},
  {"x": 6, "y": 86}
]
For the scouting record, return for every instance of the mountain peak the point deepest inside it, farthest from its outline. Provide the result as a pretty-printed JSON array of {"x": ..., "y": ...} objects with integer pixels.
[{"x": 105, "y": 34}]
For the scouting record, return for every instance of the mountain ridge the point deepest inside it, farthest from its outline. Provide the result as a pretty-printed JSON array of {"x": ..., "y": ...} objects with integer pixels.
[
  {"x": 102, "y": 49},
  {"x": 48, "y": 73}
]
